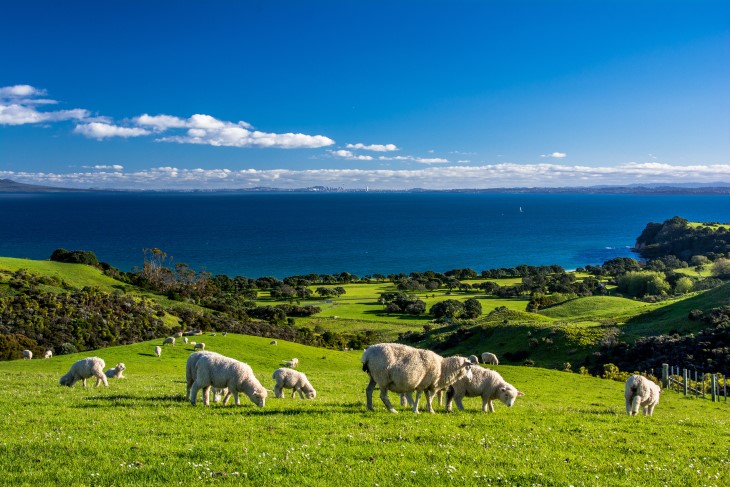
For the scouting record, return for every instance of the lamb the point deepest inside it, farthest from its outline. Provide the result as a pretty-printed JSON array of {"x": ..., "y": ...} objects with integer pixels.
[
  {"x": 293, "y": 363},
  {"x": 486, "y": 383},
  {"x": 158, "y": 350},
  {"x": 27, "y": 355},
  {"x": 473, "y": 359},
  {"x": 117, "y": 372},
  {"x": 219, "y": 371},
  {"x": 489, "y": 358},
  {"x": 199, "y": 346},
  {"x": 641, "y": 393},
  {"x": 295, "y": 380},
  {"x": 190, "y": 370},
  {"x": 48, "y": 354},
  {"x": 402, "y": 369},
  {"x": 170, "y": 340},
  {"x": 83, "y": 369}
]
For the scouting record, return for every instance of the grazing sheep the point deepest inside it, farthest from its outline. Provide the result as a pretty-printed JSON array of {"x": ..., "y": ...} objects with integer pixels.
[
  {"x": 641, "y": 393},
  {"x": 117, "y": 372},
  {"x": 224, "y": 333},
  {"x": 178, "y": 334},
  {"x": 199, "y": 346},
  {"x": 293, "y": 363},
  {"x": 486, "y": 383},
  {"x": 27, "y": 355},
  {"x": 295, "y": 380},
  {"x": 489, "y": 358},
  {"x": 158, "y": 350},
  {"x": 272, "y": 342},
  {"x": 185, "y": 340},
  {"x": 170, "y": 340},
  {"x": 219, "y": 371},
  {"x": 212, "y": 334},
  {"x": 190, "y": 369},
  {"x": 473, "y": 359},
  {"x": 48, "y": 354},
  {"x": 402, "y": 369},
  {"x": 83, "y": 369}
]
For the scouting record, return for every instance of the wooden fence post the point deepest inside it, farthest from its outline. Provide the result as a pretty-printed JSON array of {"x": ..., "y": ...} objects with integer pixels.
[
  {"x": 665, "y": 376},
  {"x": 713, "y": 381},
  {"x": 685, "y": 382}
]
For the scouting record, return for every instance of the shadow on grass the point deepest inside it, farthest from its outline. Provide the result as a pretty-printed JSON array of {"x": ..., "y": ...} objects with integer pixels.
[{"x": 147, "y": 354}]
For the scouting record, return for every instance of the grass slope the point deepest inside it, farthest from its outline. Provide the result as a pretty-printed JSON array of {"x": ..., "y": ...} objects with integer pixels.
[
  {"x": 567, "y": 430},
  {"x": 73, "y": 275}
]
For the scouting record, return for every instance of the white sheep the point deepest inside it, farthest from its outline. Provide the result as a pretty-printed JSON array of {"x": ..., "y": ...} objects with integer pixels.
[
  {"x": 641, "y": 393},
  {"x": 48, "y": 354},
  {"x": 190, "y": 369},
  {"x": 489, "y": 358},
  {"x": 484, "y": 383},
  {"x": 178, "y": 334},
  {"x": 473, "y": 359},
  {"x": 402, "y": 369},
  {"x": 294, "y": 380},
  {"x": 272, "y": 342},
  {"x": 185, "y": 340},
  {"x": 117, "y": 372},
  {"x": 293, "y": 363},
  {"x": 213, "y": 370},
  {"x": 199, "y": 346},
  {"x": 84, "y": 369},
  {"x": 170, "y": 340},
  {"x": 27, "y": 355},
  {"x": 158, "y": 350}
]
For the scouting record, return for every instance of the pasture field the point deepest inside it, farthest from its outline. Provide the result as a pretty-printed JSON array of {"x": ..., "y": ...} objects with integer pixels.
[{"x": 567, "y": 430}]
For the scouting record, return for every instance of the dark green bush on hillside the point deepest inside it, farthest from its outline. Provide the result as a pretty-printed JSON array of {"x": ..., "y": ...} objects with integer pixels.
[{"x": 75, "y": 257}]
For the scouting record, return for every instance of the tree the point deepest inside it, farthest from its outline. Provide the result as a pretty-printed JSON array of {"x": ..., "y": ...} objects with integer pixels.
[
  {"x": 684, "y": 285},
  {"x": 472, "y": 308},
  {"x": 721, "y": 268},
  {"x": 641, "y": 283},
  {"x": 450, "y": 308}
]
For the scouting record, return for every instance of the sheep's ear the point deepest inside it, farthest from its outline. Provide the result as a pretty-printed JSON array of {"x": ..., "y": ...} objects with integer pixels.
[{"x": 520, "y": 393}]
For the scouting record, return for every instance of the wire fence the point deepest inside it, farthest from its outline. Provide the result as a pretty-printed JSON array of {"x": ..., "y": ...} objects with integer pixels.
[{"x": 693, "y": 382}]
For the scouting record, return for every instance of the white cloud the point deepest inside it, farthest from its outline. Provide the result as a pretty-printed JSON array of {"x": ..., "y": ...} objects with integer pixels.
[
  {"x": 420, "y": 160},
  {"x": 373, "y": 147},
  {"x": 160, "y": 122},
  {"x": 346, "y": 154},
  {"x": 435, "y": 177},
  {"x": 115, "y": 167},
  {"x": 18, "y": 106},
  {"x": 555, "y": 155},
  {"x": 99, "y": 131}
]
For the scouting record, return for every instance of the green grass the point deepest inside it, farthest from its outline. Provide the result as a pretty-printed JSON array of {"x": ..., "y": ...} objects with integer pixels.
[
  {"x": 597, "y": 308},
  {"x": 74, "y": 275},
  {"x": 567, "y": 430}
]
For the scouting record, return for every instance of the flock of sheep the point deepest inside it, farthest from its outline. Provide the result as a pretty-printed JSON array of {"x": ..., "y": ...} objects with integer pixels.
[{"x": 391, "y": 367}]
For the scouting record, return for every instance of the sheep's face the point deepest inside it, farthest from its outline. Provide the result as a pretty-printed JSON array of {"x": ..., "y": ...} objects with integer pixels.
[
  {"x": 467, "y": 369},
  {"x": 66, "y": 381},
  {"x": 310, "y": 393},
  {"x": 259, "y": 397},
  {"x": 121, "y": 367},
  {"x": 508, "y": 395}
]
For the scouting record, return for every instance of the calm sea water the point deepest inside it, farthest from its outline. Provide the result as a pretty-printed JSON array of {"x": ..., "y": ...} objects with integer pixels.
[{"x": 282, "y": 234}]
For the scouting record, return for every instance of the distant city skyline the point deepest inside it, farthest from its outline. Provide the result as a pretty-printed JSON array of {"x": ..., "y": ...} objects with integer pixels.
[{"x": 385, "y": 95}]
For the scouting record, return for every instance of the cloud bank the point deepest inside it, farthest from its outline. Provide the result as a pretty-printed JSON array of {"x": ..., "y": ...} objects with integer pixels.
[
  {"x": 436, "y": 177},
  {"x": 19, "y": 106}
]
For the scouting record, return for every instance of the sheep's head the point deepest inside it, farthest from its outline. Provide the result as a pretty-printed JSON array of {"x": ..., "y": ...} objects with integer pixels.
[
  {"x": 259, "y": 397},
  {"x": 120, "y": 367},
  {"x": 467, "y": 366},
  {"x": 309, "y": 392},
  {"x": 508, "y": 394},
  {"x": 66, "y": 380}
]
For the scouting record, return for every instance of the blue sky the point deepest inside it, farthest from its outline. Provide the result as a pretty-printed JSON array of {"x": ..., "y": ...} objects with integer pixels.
[{"x": 388, "y": 95}]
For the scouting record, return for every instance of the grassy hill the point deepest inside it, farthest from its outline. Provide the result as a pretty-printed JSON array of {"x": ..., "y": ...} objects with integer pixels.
[{"x": 567, "y": 430}]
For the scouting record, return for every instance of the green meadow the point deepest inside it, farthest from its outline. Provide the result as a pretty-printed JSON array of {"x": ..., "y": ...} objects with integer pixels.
[{"x": 568, "y": 429}]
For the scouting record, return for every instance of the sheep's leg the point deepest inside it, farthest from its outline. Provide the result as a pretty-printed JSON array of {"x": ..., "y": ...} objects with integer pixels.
[
  {"x": 227, "y": 397},
  {"x": 406, "y": 399},
  {"x": 628, "y": 407},
  {"x": 429, "y": 400},
  {"x": 206, "y": 395},
  {"x": 279, "y": 391},
  {"x": 440, "y": 395},
  {"x": 102, "y": 378},
  {"x": 193, "y": 393},
  {"x": 635, "y": 405},
  {"x": 415, "y": 403},
  {"x": 369, "y": 394},
  {"x": 386, "y": 400},
  {"x": 459, "y": 404},
  {"x": 83, "y": 382},
  {"x": 301, "y": 394},
  {"x": 490, "y": 405},
  {"x": 293, "y": 393}
]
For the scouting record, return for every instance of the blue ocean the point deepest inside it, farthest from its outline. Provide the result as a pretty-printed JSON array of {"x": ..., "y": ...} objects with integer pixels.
[{"x": 283, "y": 234}]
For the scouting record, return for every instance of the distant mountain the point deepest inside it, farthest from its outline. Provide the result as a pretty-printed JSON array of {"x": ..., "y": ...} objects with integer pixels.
[{"x": 9, "y": 186}]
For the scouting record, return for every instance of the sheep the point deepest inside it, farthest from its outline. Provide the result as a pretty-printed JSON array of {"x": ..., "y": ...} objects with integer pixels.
[
  {"x": 199, "y": 346},
  {"x": 486, "y": 383},
  {"x": 489, "y": 358},
  {"x": 48, "y": 354},
  {"x": 224, "y": 333},
  {"x": 641, "y": 393},
  {"x": 170, "y": 340},
  {"x": 473, "y": 359},
  {"x": 178, "y": 334},
  {"x": 293, "y": 363},
  {"x": 295, "y": 380},
  {"x": 190, "y": 369},
  {"x": 272, "y": 342},
  {"x": 158, "y": 350},
  {"x": 27, "y": 355},
  {"x": 185, "y": 340},
  {"x": 83, "y": 369},
  {"x": 402, "y": 369},
  {"x": 117, "y": 372},
  {"x": 219, "y": 371}
]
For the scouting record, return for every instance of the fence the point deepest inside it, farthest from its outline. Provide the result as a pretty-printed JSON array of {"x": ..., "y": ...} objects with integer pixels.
[{"x": 703, "y": 384}]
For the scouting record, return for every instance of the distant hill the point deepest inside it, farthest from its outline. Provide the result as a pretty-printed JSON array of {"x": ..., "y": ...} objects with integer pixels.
[{"x": 10, "y": 186}]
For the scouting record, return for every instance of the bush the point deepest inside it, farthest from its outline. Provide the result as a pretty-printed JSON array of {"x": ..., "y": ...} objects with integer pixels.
[{"x": 75, "y": 257}]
